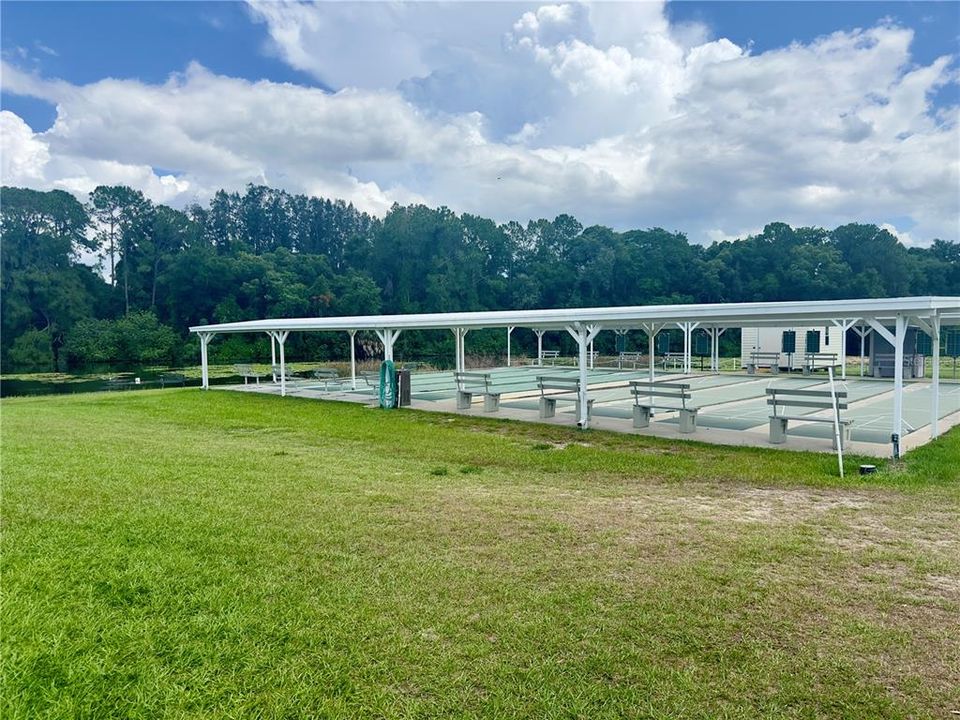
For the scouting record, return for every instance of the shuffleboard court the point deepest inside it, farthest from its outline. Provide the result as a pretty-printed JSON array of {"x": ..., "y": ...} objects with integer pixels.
[{"x": 731, "y": 402}]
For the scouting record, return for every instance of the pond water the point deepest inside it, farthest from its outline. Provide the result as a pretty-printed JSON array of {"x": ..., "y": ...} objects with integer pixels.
[
  {"x": 95, "y": 379},
  {"x": 96, "y": 383}
]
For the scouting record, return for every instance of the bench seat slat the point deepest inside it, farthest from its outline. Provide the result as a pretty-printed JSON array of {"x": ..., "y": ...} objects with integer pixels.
[
  {"x": 679, "y": 394},
  {"x": 805, "y": 393},
  {"x": 646, "y": 384},
  {"x": 807, "y": 403},
  {"x": 807, "y": 418}
]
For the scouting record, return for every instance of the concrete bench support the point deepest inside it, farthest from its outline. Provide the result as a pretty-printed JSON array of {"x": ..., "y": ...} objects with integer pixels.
[
  {"x": 491, "y": 402},
  {"x": 464, "y": 399},
  {"x": 779, "y": 423},
  {"x": 644, "y": 394},
  {"x": 688, "y": 417},
  {"x": 688, "y": 420},
  {"x": 548, "y": 407},
  {"x": 641, "y": 416},
  {"x": 778, "y": 430}
]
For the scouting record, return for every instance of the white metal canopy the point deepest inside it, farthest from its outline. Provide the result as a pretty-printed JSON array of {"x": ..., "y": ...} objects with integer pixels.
[
  {"x": 732, "y": 314},
  {"x": 888, "y": 317}
]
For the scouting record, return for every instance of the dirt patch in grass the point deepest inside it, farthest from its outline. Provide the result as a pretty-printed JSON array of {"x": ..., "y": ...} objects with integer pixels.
[{"x": 857, "y": 567}]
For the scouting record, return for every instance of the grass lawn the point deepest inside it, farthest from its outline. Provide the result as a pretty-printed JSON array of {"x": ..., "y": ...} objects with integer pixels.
[{"x": 187, "y": 554}]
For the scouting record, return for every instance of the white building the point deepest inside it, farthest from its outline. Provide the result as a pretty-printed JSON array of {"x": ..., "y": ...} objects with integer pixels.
[{"x": 771, "y": 340}]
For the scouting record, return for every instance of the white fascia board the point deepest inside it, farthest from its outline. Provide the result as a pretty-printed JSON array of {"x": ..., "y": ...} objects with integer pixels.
[{"x": 732, "y": 314}]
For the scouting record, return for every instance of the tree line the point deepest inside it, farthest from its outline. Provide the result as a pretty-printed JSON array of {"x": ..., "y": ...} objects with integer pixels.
[{"x": 119, "y": 279}]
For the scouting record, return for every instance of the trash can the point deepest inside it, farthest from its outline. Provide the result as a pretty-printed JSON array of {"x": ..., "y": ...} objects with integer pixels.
[{"x": 403, "y": 388}]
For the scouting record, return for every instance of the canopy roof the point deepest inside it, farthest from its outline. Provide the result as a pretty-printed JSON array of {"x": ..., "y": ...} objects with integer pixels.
[{"x": 714, "y": 314}]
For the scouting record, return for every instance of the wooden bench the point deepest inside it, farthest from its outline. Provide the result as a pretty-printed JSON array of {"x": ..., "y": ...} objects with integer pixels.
[
  {"x": 629, "y": 357},
  {"x": 675, "y": 358},
  {"x": 551, "y": 355},
  {"x": 669, "y": 390},
  {"x": 560, "y": 386},
  {"x": 819, "y": 361},
  {"x": 474, "y": 383},
  {"x": 328, "y": 376},
  {"x": 819, "y": 400},
  {"x": 371, "y": 378},
  {"x": 172, "y": 379},
  {"x": 757, "y": 357},
  {"x": 288, "y": 376},
  {"x": 247, "y": 372}
]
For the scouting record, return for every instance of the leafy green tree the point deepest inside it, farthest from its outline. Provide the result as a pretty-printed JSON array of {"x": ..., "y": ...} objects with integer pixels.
[
  {"x": 264, "y": 252},
  {"x": 142, "y": 338},
  {"x": 43, "y": 286},
  {"x": 33, "y": 350},
  {"x": 92, "y": 341},
  {"x": 123, "y": 216},
  {"x": 876, "y": 258}
]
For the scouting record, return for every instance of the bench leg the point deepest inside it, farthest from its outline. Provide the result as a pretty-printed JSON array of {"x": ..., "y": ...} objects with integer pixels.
[
  {"x": 491, "y": 403},
  {"x": 548, "y": 407},
  {"x": 688, "y": 421},
  {"x": 641, "y": 416},
  {"x": 464, "y": 400},
  {"x": 778, "y": 430},
  {"x": 775, "y": 368},
  {"x": 844, "y": 436},
  {"x": 751, "y": 369}
]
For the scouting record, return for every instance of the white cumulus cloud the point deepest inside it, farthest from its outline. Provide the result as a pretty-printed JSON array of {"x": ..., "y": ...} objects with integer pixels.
[{"x": 604, "y": 110}]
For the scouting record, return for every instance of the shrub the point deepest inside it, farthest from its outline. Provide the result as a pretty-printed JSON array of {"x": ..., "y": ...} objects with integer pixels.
[
  {"x": 91, "y": 341},
  {"x": 32, "y": 351},
  {"x": 135, "y": 338},
  {"x": 141, "y": 338}
]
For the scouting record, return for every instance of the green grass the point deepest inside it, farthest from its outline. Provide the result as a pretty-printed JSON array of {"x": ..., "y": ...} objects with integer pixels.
[{"x": 189, "y": 554}]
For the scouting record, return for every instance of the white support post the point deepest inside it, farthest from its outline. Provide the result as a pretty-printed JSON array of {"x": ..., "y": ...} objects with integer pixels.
[
  {"x": 281, "y": 341},
  {"x": 651, "y": 329},
  {"x": 652, "y": 351},
  {"x": 205, "y": 339},
  {"x": 353, "y": 359},
  {"x": 456, "y": 349},
  {"x": 387, "y": 338},
  {"x": 845, "y": 325},
  {"x": 203, "y": 361},
  {"x": 898, "y": 377},
  {"x": 273, "y": 357},
  {"x": 459, "y": 360},
  {"x": 935, "y": 379},
  {"x": 843, "y": 351},
  {"x": 862, "y": 331},
  {"x": 931, "y": 326},
  {"x": 896, "y": 339},
  {"x": 509, "y": 333},
  {"x": 584, "y": 335},
  {"x": 539, "y": 334},
  {"x": 688, "y": 328},
  {"x": 715, "y": 343},
  {"x": 685, "y": 327},
  {"x": 591, "y": 354}
]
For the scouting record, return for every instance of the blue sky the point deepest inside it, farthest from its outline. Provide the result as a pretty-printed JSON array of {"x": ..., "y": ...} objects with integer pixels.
[{"x": 573, "y": 97}]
